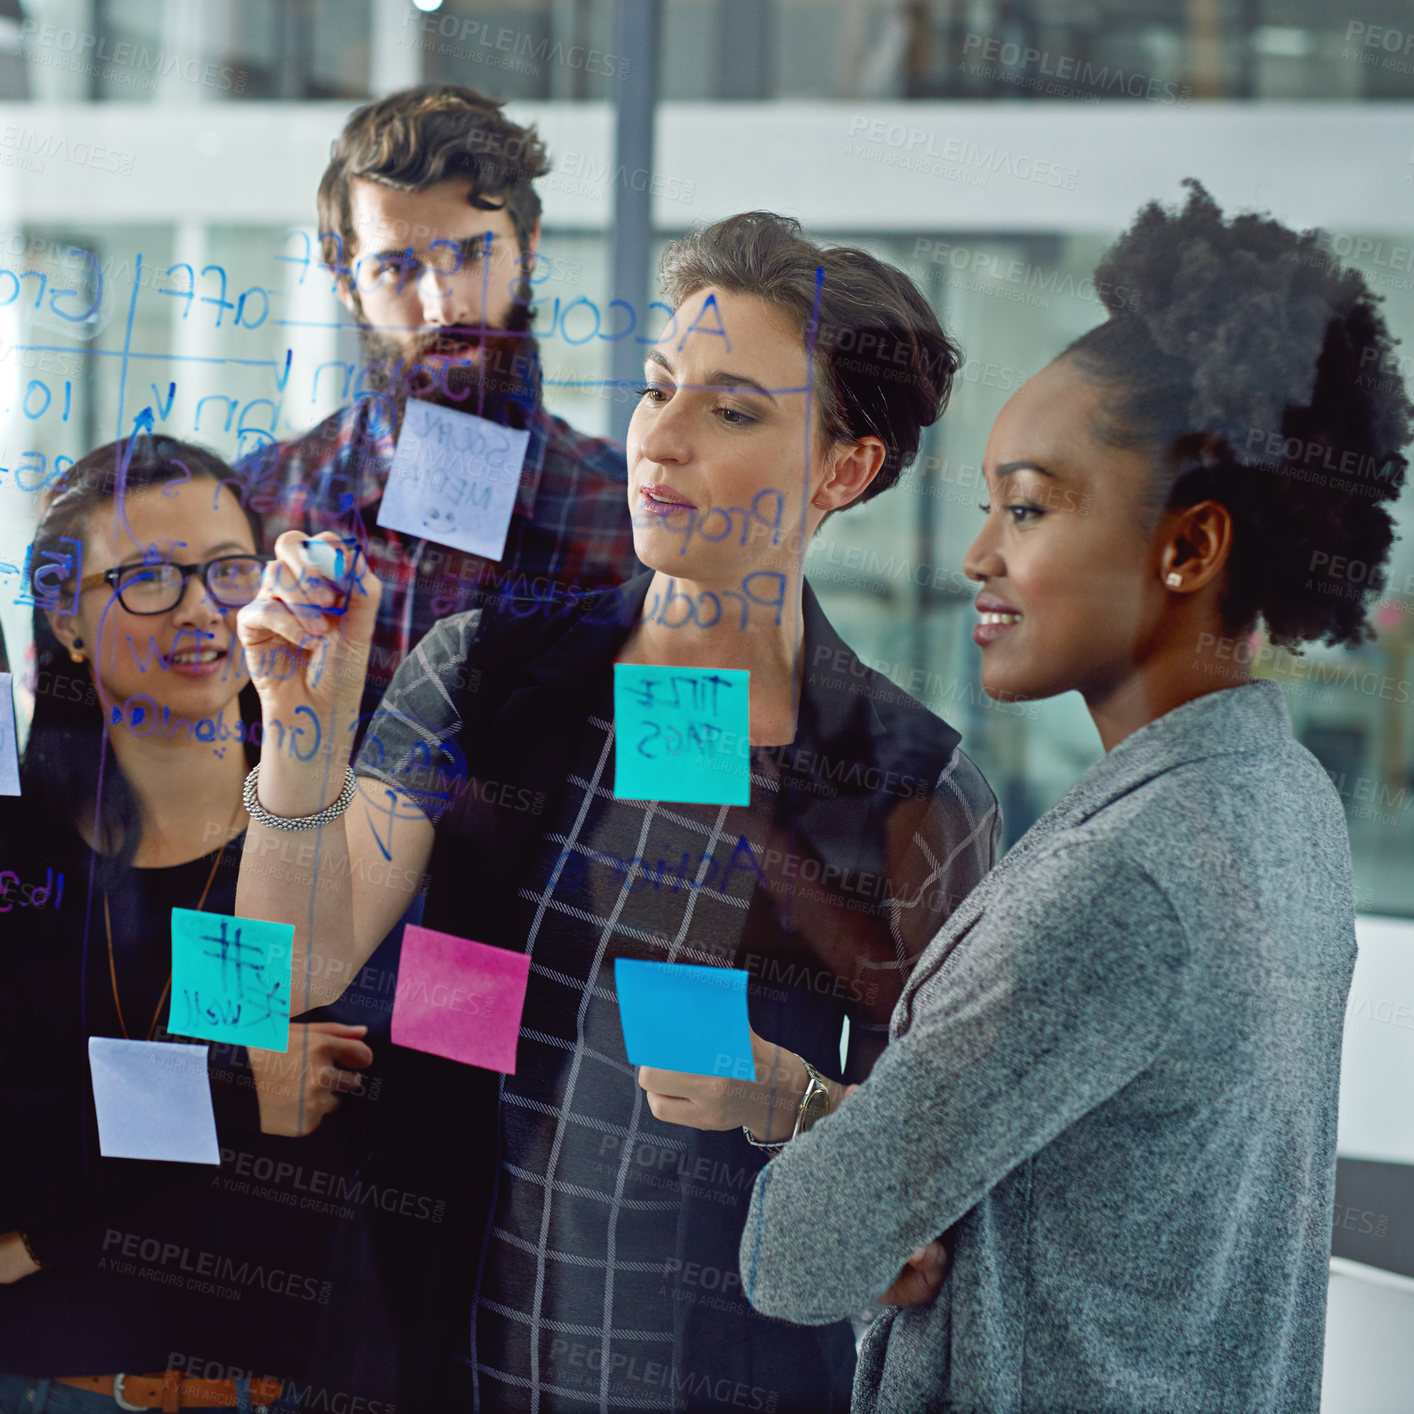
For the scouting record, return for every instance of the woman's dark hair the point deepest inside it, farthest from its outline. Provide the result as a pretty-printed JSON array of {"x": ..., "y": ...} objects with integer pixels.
[
  {"x": 882, "y": 364},
  {"x": 1254, "y": 371},
  {"x": 68, "y": 748}
]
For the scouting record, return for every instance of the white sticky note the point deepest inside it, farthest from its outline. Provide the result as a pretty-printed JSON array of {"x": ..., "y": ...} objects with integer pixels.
[
  {"x": 153, "y": 1100},
  {"x": 454, "y": 479},
  {"x": 9, "y": 742}
]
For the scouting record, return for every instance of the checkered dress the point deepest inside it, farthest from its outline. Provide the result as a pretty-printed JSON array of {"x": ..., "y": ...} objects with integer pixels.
[
  {"x": 570, "y": 527},
  {"x": 584, "y": 1257}
]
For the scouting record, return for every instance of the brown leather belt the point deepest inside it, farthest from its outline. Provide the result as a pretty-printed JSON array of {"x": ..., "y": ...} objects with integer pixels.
[{"x": 173, "y": 1391}]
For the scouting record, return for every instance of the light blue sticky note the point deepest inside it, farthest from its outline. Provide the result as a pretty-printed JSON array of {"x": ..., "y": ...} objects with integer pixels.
[
  {"x": 231, "y": 979},
  {"x": 9, "y": 747},
  {"x": 682, "y": 734},
  {"x": 153, "y": 1101},
  {"x": 681, "y": 1016},
  {"x": 454, "y": 479}
]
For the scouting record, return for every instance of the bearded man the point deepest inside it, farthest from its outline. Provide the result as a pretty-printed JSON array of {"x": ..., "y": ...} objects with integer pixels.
[{"x": 429, "y": 221}]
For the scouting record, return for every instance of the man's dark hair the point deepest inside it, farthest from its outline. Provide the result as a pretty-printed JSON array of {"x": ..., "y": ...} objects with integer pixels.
[
  {"x": 417, "y": 137},
  {"x": 882, "y": 363},
  {"x": 1253, "y": 370}
]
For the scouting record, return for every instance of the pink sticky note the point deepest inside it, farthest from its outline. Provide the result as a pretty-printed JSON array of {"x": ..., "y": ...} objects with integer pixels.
[{"x": 459, "y": 999}]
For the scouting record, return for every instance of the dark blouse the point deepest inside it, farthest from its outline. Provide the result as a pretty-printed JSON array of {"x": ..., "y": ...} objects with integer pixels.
[{"x": 145, "y": 1263}]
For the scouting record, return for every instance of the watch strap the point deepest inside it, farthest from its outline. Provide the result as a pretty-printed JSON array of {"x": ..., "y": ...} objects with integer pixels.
[
  {"x": 814, "y": 1085},
  {"x": 772, "y": 1147}
]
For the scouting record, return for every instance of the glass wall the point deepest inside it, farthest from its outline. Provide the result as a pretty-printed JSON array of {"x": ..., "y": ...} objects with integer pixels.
[
  {"x": 217, "y": 309},
  {"x": 159, "y": 266},
  {"x": 1173, "y": 51}
]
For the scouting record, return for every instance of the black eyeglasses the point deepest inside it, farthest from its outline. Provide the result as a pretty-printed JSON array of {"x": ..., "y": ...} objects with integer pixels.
[{"x": 232, "y": 581}]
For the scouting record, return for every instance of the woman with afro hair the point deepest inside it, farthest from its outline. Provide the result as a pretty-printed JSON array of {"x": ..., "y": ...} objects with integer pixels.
[{"x": 1112, "y": 1078}]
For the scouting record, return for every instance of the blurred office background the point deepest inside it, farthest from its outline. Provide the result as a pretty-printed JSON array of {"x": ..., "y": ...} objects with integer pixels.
[{"x": 158, "y": 161}]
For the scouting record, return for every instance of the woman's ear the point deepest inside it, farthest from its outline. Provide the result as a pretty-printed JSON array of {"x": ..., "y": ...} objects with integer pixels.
[
  {"x": 850, "y": 469},
  {"x": 1197, "y": 541},
  {"x": 65, "y": 628}
]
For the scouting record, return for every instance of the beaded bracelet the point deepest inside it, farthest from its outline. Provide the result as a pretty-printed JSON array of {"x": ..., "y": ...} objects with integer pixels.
[{"x": 262, "y": 816}]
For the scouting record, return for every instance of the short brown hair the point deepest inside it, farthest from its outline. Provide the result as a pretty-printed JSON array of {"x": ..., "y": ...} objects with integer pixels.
[
  {"x": 883, "y": 365},
  {"x": 417, "y": 137}
]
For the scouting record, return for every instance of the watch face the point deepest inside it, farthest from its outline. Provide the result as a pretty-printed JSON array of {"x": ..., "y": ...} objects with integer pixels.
[{"x": 817, "y": 1106}]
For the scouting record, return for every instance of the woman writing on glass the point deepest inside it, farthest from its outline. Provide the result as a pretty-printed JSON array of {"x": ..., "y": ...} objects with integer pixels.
[
  {"x": 1116, "y": 1069},
  {"x": 791, "y": 382},
  {"x": 131, "y": 807}
]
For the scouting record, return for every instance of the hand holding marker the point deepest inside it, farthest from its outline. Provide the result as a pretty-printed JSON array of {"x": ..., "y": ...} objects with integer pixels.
[
  {"x": 307, "y": 638},
  {"x": 328, "y": 560}
]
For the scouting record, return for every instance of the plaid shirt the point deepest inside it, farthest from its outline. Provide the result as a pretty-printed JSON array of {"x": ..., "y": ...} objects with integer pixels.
[{"x": 570, "y": 528}]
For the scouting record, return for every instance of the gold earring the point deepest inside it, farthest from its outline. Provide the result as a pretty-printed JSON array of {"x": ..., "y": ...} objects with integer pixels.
[
  {"x": 76, "y": 657},
  {"x": 1174, "y": 579}
]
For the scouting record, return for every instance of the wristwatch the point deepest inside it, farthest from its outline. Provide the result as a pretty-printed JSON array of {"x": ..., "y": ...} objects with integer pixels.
[{"x": 814, "y": 1106}]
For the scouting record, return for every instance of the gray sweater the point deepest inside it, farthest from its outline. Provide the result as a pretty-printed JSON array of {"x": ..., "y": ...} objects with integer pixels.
[{"x": 1116, "y": 1071}]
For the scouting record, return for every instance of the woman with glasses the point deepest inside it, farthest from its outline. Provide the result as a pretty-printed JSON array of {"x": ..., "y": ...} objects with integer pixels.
[{"x": 131, "y": 807}]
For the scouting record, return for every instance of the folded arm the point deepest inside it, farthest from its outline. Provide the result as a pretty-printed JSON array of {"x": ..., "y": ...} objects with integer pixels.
[{"x": 1046, "y": 1008}]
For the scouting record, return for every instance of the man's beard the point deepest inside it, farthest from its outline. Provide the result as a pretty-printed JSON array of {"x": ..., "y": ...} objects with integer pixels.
[{"x": 494, "y": 373}]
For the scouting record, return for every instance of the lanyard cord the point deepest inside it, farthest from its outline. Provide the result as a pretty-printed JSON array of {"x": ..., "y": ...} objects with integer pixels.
[{"x": 112, "y": 965}]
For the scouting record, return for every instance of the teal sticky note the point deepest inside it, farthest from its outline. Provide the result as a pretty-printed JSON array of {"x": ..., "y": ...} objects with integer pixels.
[
  {"x": 682, "y": 1016},
  {"x": 231, "y": 979},
  {"x": 682, "y": 734}
]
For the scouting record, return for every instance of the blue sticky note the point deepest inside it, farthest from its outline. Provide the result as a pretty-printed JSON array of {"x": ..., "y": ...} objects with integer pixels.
[
  {"x": 682, "y": 734},
  {"x": 681, "y": 1016},
  {"x": 153, "y": 1101},
  {"x": 231, "y": 979},
  {"x": 9, "y": 747},
  {"x": 454, "y": 479}
]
